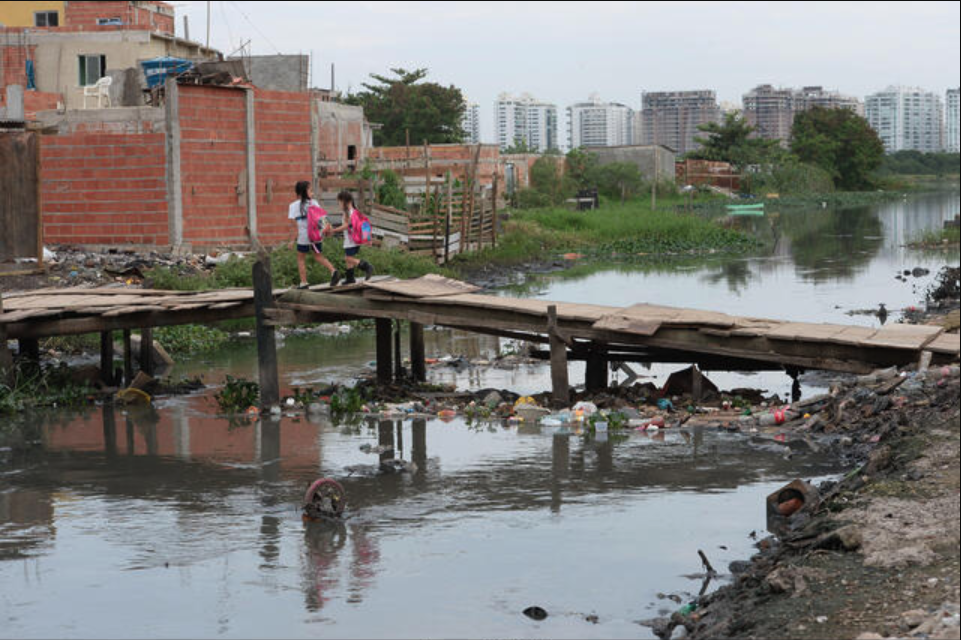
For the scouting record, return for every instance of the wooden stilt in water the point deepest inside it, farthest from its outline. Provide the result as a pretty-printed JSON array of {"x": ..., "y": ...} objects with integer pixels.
[
  {"x": 146, "y": 350},
  {"x": 30, "y": 354},
  {"x": 560, "y": 396},
  {"x": 6, "y": 359},
  {"x": 266, "y": 342},
  {"x": 384, "y": 368},
  {"x": 418, "y": 365},
  {"x": 596, "y": 371},
  {"x": 398, "y": 360},
  {"x": 127, "y": 358},
  {"x": 106, "y": 358},
  {"x": 697, "y": 384}
]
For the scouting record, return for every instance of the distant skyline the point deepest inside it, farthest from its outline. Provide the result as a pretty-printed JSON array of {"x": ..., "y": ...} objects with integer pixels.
[{"x": 614, "y": 49}]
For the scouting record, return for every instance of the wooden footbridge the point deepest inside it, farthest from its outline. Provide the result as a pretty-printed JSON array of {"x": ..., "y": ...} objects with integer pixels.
[{"x": 595, "y": 333}]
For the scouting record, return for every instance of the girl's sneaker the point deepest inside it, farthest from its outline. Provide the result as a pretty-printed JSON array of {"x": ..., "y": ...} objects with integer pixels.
[
  {"x": 334, "y": 278},
  {"x": 303, "y": 285}
]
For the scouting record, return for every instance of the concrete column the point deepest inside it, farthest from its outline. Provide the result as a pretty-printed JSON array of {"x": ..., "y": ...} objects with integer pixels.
[
  {"x": 314, "y": 142},
  {"x": 251, "y": 170},
  {"x": 175, "y": 200}
]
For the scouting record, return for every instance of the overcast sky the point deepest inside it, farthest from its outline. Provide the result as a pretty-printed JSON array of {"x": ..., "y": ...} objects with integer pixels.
[{"x": 563, "y": 52}]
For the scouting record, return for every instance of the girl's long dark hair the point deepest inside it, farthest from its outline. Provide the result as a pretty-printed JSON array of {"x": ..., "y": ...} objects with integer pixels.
[
  {"x": 301, "y": 190},
  {"x": 346, "y": 198}
]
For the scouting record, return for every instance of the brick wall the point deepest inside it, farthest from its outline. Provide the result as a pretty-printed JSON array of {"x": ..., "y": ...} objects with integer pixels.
[
  {"x": 213, "y": 165},
  {"x": 283, "y": 158},
  {"x": 84, "y": 15},
  {"x": 103, "y": 185},
  {"x": 13, "y": 65}
]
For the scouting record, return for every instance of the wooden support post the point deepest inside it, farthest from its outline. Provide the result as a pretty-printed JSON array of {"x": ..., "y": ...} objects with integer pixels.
[
  {"x": 30, "y": 354},
  {"x": 384, "y": 368},
  {"x": 6, "y": 360},
  {"x": 398, "y": 360},
  {"x": 697, "y": 384},
  {"x": 266, "y": 342},
  {"x": 418, "y": 366},
  {"x": 450, "y": 214},
  {"x": 127, "y": 358},
  {"x": 596, "y": 370},
  {"x": 146, "y": 350},
  {"x": 106, "y": 358},
  {"x": 559, "y": 383}
]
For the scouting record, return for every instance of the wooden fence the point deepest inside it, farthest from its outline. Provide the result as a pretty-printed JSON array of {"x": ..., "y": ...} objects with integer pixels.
[{"x": 445, "y": 214}]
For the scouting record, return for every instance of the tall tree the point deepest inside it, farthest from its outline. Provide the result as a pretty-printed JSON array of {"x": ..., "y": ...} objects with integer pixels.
[
  {"x": 839, "y": 141},
  {"x": 404, "y": 103},
  {"x": 731, "y": 141}
]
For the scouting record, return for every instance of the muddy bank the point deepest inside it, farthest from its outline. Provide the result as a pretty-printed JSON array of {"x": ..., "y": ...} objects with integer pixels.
[{"x": 878, "y": 554}]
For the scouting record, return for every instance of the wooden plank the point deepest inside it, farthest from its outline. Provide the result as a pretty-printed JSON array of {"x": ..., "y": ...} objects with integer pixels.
[
  {"x": 122, "y": 311},
  {"x": 903, "y": 336},
  {"x": 805, "y": 332},
  {"x": 948, "y": 343},
  {"x": 623, "y": 324},
  {"x": 428, "y": 286},
  {"x": 852, "y": 335},
  {"x": 10, "y": 317}
]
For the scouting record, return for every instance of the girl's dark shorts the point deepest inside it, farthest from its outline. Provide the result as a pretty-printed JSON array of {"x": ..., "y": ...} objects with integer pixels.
[
  {"x": 351, "y": 251},
  {"x": 313, "y": 246}
]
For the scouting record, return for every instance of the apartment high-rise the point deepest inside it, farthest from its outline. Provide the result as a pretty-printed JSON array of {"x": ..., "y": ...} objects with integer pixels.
[
  {"x": 524, "y": 119},
  {"x": 907, "y": 118},
  {"x": 599, "y": 124},
  {"x": 771, "y": 111},
  {"x": 471, "y": 122},
  {"x": 672, "y": 118},
  {"x": 952, "y": 122}
]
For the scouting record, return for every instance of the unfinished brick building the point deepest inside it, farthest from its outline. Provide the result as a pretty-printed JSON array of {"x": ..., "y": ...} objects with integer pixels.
[{"x": 214, "y": 167}]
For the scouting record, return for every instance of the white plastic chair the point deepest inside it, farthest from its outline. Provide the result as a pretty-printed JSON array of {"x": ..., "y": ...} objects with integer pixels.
[{"x": 99, "y": 90}]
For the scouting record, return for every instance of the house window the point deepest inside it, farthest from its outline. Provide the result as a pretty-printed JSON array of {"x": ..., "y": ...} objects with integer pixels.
[
  {"x": 351, "y": 152},
  {"x": 109, "y": 22},
  {"x": 46, "y": 19},
  {"x": 92, "y": 68}
]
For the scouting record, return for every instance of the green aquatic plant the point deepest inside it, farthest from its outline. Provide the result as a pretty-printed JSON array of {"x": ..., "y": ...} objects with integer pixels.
[{"x": 237, "y": 395}]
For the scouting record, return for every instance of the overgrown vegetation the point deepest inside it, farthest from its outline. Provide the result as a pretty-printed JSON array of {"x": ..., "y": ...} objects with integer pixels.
[
  {"x": 189, "y": 339},
  {"x": 238, "y": 395},
  {"x": 42, "y": 387},
  {"x": 830, "y": 149},
  {"x": 937, "y": 239},
  {"x": 555, "y": 178},
  {"x": 632, "y": 228},
  {"x": 916, "y": 163}
]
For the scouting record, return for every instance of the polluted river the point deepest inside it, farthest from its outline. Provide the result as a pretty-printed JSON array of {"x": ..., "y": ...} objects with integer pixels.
[{"x": 170, "y": 520}]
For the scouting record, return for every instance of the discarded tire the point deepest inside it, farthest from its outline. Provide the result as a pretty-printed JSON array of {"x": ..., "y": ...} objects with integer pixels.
[{"x": 325, "y": 498}]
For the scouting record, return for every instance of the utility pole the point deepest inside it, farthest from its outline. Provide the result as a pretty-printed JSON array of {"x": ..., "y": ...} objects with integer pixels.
[{"x": 208, "y": 24}]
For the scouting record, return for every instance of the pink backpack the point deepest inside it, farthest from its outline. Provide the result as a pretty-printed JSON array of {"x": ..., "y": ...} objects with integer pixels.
[
  {"x": 360, "y": 229},
  {"x": 316, "y": 221}
]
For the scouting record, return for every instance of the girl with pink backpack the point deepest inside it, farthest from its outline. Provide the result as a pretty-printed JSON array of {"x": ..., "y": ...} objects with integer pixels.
[
  {"x": 312, "y": 227},
  {"x": 356, "y": 228}
]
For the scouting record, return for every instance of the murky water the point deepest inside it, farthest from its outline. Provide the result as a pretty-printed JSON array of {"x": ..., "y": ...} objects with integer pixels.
[{"x": 174, "y": 522}]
